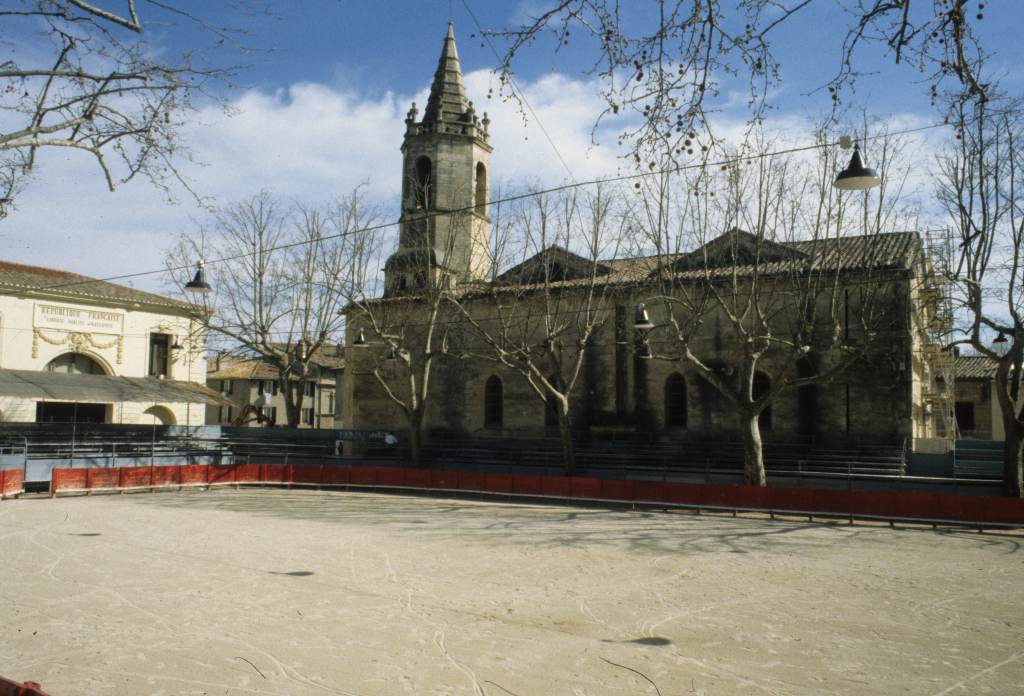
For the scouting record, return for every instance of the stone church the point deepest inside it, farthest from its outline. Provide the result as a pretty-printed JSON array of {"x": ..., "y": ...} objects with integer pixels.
[{"x": 888, "y": 397}]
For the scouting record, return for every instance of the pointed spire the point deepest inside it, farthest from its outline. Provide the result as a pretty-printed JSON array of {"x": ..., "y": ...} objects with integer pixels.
[{"x": 447, "y": 99}]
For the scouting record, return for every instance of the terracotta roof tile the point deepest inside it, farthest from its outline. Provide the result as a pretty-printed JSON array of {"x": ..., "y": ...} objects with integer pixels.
[{"x": 19, "y": 277}]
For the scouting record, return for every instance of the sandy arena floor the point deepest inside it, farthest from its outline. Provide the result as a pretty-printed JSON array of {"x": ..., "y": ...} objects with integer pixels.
[{"x": 299, "y": 592}]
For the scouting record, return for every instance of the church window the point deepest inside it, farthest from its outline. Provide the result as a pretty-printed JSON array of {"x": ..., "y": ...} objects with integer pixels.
[
  {"x": 762, "y": 384},
  {"x": 807, "y": 399},
  {"x": 423, "y": 185},
  {"x": 481, "y": 189},
  {"x": 494, "y": 406},
  {"x": 675, "y": 401}
]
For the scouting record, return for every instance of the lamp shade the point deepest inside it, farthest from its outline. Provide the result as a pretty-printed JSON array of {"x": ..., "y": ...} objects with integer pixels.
[
  {"x": 643, "y": 319},
  {"x": 857, "y": 177},
  {"x": 1001, "y": 338},
  {"x": 392, "y": 357},
  {"x": 360, "y": 339},
  {"x": 198, "y": 283}
]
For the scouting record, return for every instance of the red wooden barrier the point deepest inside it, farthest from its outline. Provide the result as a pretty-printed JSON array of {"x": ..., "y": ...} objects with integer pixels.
[
  {"x": 583, "y": 487},
  {"x": 165, "y": 476},
  {"x": 392, "y": 476},
  {"x": 309, "y": 474},
  {"x": 363, "y": 476},
  {"x": 12, "y": 482},
  {"x": 648, "y": 491},
  {"x": 527, "y": 485},
  {"x": 248, "y": 473},
  {"x": 273, "y": 473},
  {"x": 471, "y": 480},
  {"x": 418, "y": 478},
  {"x": 192, "y": 474},
  {"x": 440, "y": 478},
  {"x": 616, "y": 490},
  {"x": 499, "y": 483},
  {"x": 557, "y": 486},
  {"x": 335, "y": 475},
  {"x": 682, "y": 493},
  {"x": 888, "y": 504},
  {"x": 100, "y": 479},
  {"x": 221, "y": 473}
]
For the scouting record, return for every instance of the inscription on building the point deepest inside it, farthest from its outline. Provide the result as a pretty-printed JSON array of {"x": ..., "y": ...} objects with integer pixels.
[{"x": 51, "y": 316}]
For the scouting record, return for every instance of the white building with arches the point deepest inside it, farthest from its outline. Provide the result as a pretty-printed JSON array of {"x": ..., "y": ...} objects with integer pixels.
[{"x": 73, "y": 348}]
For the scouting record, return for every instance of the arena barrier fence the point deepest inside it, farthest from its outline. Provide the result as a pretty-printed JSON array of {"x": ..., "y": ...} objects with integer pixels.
[
  {"x": 886, "y": 505},
  {"x": 12, "y": 482}
]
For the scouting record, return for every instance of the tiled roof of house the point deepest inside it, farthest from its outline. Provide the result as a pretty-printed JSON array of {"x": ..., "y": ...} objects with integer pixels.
[
  {"x": 974, "y": 367},
  {"x": 19, "y": 277},
  {"x": 235, "y": 367}
]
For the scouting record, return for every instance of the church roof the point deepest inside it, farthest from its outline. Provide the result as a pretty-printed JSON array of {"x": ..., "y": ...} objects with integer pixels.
[
  {"x": 895, "y": 250},
  {"x": 447, "y": 100},
  {"x": 22, "y": 278}
]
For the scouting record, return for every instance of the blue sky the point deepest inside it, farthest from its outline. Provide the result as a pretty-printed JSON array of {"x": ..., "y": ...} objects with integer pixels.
[{"x": 321, "y": 112}]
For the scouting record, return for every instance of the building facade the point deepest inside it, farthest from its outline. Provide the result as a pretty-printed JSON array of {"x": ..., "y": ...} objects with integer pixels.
[
  {"x": 882, "y": 398},
  {"x": 251, "y": 385},
  {"x": 77, "y": 348}
]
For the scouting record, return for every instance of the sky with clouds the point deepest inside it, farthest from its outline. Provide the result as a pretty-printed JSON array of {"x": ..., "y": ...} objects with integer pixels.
[{"x": 320, "y": 108}]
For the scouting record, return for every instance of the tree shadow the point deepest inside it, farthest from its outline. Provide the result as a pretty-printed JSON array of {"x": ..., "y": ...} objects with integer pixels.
[{"x": 558, "y": 526}]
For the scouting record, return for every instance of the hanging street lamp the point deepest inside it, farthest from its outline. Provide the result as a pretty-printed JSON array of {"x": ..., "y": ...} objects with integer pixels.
[
  {"x": 856, "y": 176},
  {"x": 198, "y": 283}
]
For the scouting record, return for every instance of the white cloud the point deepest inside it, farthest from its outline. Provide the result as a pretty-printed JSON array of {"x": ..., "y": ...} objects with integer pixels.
[{"x": 310, "y": 143}]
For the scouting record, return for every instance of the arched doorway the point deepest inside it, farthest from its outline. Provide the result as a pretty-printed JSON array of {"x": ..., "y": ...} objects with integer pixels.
[
  {"x": 675, "y": 401},
  {"x": 75, "y": 364},
  {"x": 494, "y": 406},
  {"x": 162, "y": 414}
]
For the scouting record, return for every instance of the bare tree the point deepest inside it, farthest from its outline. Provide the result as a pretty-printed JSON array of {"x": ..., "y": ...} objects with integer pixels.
[
  {"x": 777, "y": 294},
  {"x": 81, "y": 76},
  {"x": 672, "y": 62},
  {"x": 541, "y": 317},
  {"x": 404, "y": 330},
  {"x": 279, "y": 280},
  {"x": 982, "y": 190}
]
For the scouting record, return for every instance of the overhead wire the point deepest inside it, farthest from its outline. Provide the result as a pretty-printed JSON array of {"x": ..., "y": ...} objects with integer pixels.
[
  {"x": 507, "y": 199},
  {"x": 521, "y": 95}
]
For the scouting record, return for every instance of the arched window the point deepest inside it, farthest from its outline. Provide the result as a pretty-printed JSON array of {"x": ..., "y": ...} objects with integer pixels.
[
  {"x": 807, "y": 399},
  {"x": 675, "y": 401},
  {"x": 480, "y": 199},
  {"x": 75, "y": 364},
  {"x": 494, "y": 406},
  {"x": 161, "y": 415},
  {"x": 423, "y": 184},
  {"x": 761, "y": 386}
]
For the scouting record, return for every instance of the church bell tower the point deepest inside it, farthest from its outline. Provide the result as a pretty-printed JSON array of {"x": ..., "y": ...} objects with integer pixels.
[{"x": 446, "y": 157}]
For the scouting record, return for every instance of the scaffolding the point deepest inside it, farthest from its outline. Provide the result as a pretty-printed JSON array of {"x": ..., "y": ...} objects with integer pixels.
[{"x": 934, "y": 317}]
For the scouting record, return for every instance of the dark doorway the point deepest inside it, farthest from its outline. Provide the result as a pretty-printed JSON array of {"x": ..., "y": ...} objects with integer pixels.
[
  {"x": 63, "y": 412},
  {"x": 964, "y": 412}
]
